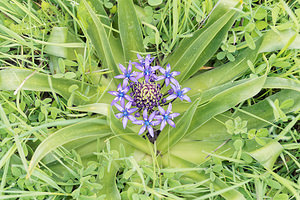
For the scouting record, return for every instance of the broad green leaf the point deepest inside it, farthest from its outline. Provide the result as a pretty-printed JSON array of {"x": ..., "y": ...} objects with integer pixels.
[
  {"x": 99, "y": 108},
  {"x": 169, "y": 137},
  {"x": 88, "y": 128},
  {"x": 127, "y": 134},
  {"x": 226, "y": 100},
  {"x": 100, "y": 39},
  {"x": 188, "y": 57},
  {"x": 268, "y": 154},
  {"x": 61, "y": 44},
  {"x": 282, "y": 38},
  {"x": 258, "y": 115},
  {"x": 282, "y": 83},
  {"x": 11, "y": 79},
  {"x": 222, "y": 74},
  {"x": 130, "y": 31}
]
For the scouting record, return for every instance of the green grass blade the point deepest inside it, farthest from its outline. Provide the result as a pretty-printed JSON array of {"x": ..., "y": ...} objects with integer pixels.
[
  {"x": 130, "y": 31},
  {"x": 88, "y": 128},
  {"x": 170, "y": 160}
]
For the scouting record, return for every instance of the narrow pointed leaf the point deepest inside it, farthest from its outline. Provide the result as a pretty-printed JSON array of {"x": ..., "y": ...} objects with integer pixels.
[
  {"x": 100, "y": 40},
  {"x": 185, "y": 57},
  {"x": 268, "y": 154},
  {"x": 88, "y": 128},
  {"x": 167, "y": 138},
  {"x": 130, "y": 31},
  {"x": 226, "y": 100},
  {"x": 99, "y": 108}
]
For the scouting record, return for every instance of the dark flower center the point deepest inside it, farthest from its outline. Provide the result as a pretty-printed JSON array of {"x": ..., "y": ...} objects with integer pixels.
[{"x": 146, "y": 95}]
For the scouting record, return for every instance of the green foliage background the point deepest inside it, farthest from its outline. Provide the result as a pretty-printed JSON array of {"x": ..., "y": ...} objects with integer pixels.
[{"x": 238, "y": 139}]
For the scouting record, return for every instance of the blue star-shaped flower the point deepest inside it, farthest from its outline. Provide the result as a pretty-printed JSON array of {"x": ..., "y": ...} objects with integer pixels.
[
  {"x": 127, "y": 74},
  {"x": 120, "y": 95},
  {"x": 166, "y": 116},
  {"x": 177, "y": 92},
  {"x": 126, "y": 113},
  {"x": 168, "y": 75},
  {"x": 147, "y": 71},
  {"x": 147, "y": 122}
]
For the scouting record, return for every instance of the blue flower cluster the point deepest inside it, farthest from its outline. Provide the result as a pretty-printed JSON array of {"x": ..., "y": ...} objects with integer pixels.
[{"x": 145, "y": 101}]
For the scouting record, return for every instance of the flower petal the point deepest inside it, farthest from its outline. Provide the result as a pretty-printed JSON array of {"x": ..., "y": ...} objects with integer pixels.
[
  {"x": 139, "y": 67},
  {"x": 115, "y": 101},
  {"x": 175, "y": 89},
  {"x": 161, "y": 110},
  {"x": 151, "y": 117},
  {"x": 142, "y": 129},
  {"x": 150, "y": 129},
  {"x": 171, "y": 123},
  {"x": 120, "y": 76},
  {"x": 128, "y": 98},
  {"x": 167, "y": 81},
  {"x": 162, "y": 70},
  {"x": 163, "y": 124},
  {"x": 173, "y": 115},
  {"x": 139, "y": 75},
  {"x": 120, "y": 108},
  {"x": 113, "y": 93},
  {"x": 154, "y": 68},
  {"x": 132, "y": 118},
  {"x": 129, "y": 70},
  {"x": 138, "y": 122},
  {"x": 155, "y": 123},
  {"x": 131, "y": 110},
  {"x": 125, "y": 120},
  {"x": 128, "y": 105},
  {"x": 140, "y": 57},
  {"x": 174, "y": 81},
  {"x": 158, "y": 117},
  {"x": 169, "y": 108},
  {"x": 119, "y": 115},
  {"x": 175, "y": 73},
  {"x": 185, "y": 97},
  {"x": 145, "y": 115},
  {"x": 132, "y": 78},
  {"x": 168, "y": 68},
  {"x": 123, "y": 69},
  {"x": 160, "y": 78},
  {"x": 185, "y": 90},
  {"x": 172, "y": 96}
]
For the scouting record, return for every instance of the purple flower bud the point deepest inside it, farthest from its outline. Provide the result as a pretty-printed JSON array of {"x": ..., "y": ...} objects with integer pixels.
[
  {"x": 163, "y": 100},
  {"x": 171, "y": 91},
  {"x": 137, "y": 114}
]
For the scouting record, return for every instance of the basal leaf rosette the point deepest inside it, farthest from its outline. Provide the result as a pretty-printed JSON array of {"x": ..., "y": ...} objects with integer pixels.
[{"x": 139, "y": 97}]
